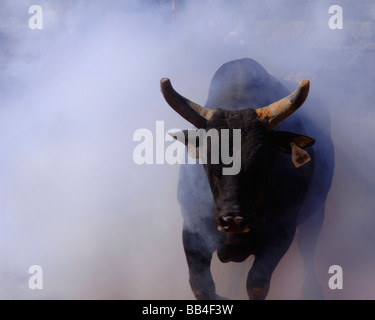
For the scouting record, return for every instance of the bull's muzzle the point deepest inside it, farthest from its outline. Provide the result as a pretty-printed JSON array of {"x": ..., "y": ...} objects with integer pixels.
[{"x": 233, "y": 223}]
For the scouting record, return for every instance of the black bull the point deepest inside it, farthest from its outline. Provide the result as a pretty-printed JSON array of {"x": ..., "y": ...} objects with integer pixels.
[{"x": 258, "y": 210}]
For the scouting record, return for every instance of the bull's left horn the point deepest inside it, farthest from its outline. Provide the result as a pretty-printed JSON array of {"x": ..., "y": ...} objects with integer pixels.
[
  {"x": 192, "y": 112},
  {"x": 278, "y": 111}
]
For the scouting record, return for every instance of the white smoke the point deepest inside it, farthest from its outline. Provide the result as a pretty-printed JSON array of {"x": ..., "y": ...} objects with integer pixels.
[{"x": 71, "y": 198}]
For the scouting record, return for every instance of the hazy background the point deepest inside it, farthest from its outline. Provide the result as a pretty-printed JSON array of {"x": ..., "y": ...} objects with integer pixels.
[{"x": 71, "y": 198}]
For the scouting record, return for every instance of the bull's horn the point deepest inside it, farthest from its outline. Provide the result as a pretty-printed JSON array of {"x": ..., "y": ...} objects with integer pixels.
[
  {"x": 192, "y": 112},
  {"x": 278, "y": 111}
]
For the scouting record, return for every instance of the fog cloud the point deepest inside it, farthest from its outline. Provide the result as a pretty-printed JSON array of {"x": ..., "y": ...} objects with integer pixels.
[{"x": 73, "y": 201}]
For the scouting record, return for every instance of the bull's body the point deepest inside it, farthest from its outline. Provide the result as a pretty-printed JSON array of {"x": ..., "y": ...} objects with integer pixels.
[{"x": 291, "y": 197}]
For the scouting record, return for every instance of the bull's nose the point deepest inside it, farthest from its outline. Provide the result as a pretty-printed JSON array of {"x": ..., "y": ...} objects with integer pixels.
[
  {"x": 225, "y": 222},
  {"x": 230, "y": 220},
  {"x": 230, "y": 223}
]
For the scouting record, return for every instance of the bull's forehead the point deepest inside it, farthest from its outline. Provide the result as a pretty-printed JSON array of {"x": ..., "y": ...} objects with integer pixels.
[{"x": 233, "y": 119}]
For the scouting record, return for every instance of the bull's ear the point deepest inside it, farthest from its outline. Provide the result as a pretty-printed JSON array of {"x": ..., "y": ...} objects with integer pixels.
[
  {"x": 294, "y": 144},
  {"x": 189, "y": 140}
]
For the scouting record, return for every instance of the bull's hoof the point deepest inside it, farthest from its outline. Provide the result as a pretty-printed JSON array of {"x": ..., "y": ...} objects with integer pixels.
[
  {"x": 220, "y": 298},
  {"x": 257, "y": 293},
  {"x": 204, "y": 296}
]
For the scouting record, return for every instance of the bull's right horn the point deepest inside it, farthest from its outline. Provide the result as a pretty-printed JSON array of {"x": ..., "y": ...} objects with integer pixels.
[
  {"x": 278, "y": 111},
  {"x": 192, "y": 112}
]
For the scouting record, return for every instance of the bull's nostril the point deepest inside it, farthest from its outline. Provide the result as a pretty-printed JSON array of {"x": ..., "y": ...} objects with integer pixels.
[
  {"x": 225, "y": 221},
  {"x": 233, "y": 223},
  {"x": 238, "y": 219}
]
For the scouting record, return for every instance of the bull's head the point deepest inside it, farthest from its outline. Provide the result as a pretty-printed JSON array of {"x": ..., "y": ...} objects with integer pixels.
[{"x": 238, "y": 198}]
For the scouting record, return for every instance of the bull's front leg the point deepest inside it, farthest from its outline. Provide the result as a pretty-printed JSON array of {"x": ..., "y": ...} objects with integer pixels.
[
  {"x": 258, "y": 280},
  {"x": 265, "y": 262},
  {"x": 198, "y": 255}
]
